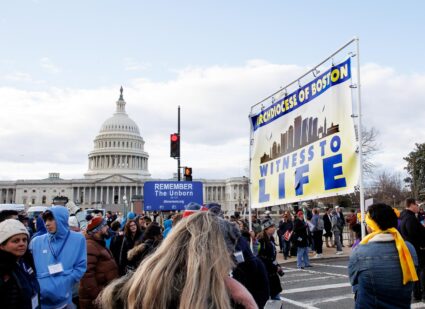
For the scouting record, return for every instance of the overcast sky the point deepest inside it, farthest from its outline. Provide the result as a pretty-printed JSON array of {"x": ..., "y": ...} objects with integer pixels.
[{"x": 62, "y": 63}]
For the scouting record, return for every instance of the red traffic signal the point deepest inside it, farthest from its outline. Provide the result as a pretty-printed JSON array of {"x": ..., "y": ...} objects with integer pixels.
[{"x": 175, "y": 145}]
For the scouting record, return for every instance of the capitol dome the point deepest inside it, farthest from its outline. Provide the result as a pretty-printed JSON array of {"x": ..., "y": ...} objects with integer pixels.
[{"x": 118, "y": 148}]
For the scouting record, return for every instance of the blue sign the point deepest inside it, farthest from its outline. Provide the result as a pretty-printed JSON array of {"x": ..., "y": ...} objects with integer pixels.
[{"x": 171, "y": 195}]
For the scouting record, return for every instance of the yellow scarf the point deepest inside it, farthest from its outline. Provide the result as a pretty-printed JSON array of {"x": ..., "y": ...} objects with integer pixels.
[{"x": 406, "y": 261}]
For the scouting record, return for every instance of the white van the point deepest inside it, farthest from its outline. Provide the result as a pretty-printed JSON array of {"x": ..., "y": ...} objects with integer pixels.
[
  {"x": 16, "y": 207},
  {"x": 35, "y": 211}
]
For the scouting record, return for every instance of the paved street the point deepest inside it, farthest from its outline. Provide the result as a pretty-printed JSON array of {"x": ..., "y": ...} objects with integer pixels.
[{"x": 325, "y": 285}]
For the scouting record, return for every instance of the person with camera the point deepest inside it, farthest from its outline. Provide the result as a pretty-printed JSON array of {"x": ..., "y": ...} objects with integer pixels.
[{"x": 267, "y": 253}]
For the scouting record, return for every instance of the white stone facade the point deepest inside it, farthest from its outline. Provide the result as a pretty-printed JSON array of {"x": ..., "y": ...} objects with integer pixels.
[{"x": 118, "y": 167}]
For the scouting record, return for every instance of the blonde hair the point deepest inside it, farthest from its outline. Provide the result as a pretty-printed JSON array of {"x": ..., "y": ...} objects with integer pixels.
[{"x": 188, "y": 270}]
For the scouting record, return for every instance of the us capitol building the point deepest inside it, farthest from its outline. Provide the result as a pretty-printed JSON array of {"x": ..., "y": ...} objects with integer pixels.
[{"x": 117, "y": 170}]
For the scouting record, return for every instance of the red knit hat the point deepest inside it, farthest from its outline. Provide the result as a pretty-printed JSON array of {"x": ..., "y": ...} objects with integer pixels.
[
  {"x": 192, "y": 208},
  {"x": 96, "y": 224}
]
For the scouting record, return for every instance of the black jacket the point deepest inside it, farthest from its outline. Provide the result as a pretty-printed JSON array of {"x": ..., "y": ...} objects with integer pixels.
[
  {"x": 136, "y": 255},
  {"x": 327, "y": 222},
  {"x": 267, "y": 254},
  {"x": 17, "y": 291},
  {"x": 285, "y": 226},
  {"x": 252, "y": 274},
  {"x": 300, "y": 237},
  {"x": 412, "y": 230}
]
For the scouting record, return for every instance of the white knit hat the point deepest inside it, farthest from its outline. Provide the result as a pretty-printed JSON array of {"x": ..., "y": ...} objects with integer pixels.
[
  {"x": 11, "y": 227},
  {"x": 73, "y": 222},
  {"x": 72, "y": 208}
]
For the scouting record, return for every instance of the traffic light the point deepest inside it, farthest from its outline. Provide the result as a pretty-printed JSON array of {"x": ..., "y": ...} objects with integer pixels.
[
  {"x": 188, "y": 173},
  {"x": 175, "y": 145}
]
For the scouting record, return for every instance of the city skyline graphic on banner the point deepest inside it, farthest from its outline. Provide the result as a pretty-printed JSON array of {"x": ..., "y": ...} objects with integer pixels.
[{"x": 302, "y": 133}]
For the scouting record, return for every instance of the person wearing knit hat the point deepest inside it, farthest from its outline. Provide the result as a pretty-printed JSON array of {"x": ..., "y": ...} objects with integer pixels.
[
  {"x": 19, "y": 285},
  {"x": 101, "y": 265},
  {"x": 267, "y": 253},
  {"x": 96, "y": 224},
  {"x": 382, "y": 268}
]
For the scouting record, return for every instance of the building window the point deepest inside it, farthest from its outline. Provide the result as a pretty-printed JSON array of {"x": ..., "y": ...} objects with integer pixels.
[
  {"x": 25, "y": 191},
  {"x": 44, "y": 191},
  {"x": 43, "y": 199},
  {"x": 54, "y": 191},
  {"x": 24, "y": 200},
  {"x": 62, "y": 190},
  {"x": 33, "y": 191},
  {"x": 33, "y": 201}
]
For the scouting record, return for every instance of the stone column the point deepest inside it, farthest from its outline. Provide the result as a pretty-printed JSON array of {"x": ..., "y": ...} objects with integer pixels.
[
  {"x": 101, "y": 195},
  {"x": 119, "y": 195},
  {"x": 95, "y": 195}
]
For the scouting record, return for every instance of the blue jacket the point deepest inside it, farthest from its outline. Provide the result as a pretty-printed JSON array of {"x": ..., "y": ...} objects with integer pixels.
[
  {"x": 56, "y": 289},
  {"x": 41, "y": 228},
  {"x": 375, "y": 274},
  {"x": 167, "y": 227}
]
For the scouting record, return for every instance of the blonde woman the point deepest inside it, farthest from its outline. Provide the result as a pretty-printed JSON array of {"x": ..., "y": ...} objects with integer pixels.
[{"x": 190, "y": 269}]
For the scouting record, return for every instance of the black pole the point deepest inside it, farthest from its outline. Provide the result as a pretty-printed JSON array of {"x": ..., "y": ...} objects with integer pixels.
[{"x": 178, "y": 132}]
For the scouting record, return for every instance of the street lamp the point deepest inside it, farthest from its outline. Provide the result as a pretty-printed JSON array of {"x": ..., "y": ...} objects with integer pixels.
[{"x": 124, "y": 198}]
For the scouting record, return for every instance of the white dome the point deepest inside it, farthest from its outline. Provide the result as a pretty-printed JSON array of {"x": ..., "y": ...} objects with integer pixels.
[
  {"x": 118, "y": 148},
  {"x": 120, "y": 122}
]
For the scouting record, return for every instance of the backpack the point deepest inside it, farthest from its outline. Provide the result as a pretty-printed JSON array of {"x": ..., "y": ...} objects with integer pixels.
[{"x": 320, "y": 224}]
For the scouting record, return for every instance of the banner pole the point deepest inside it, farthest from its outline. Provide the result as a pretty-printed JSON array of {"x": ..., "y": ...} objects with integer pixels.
[
  {"x": 362, "y": 201},
  {"x": 249, "y": 179}
]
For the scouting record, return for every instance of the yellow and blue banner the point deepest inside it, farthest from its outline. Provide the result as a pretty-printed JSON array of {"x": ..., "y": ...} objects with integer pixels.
[{"x": 304, "y": 144}]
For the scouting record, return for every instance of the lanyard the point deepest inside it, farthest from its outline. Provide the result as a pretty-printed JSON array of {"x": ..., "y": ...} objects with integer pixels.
[{"x": 61, "y": 248}]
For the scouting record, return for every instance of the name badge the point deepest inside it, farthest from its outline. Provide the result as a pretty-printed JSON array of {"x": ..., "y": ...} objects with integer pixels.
[
  {"x": 239, "y": 257},
  {"x": 55, "y": 268},
  {"x": 34, "y": 301}
]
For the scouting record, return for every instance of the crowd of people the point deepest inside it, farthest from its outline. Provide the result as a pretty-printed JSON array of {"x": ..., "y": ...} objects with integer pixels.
[{"x": 200, "y": 258}]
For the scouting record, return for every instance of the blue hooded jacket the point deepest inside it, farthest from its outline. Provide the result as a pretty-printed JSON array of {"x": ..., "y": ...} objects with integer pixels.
[
  {"x": 168, "y": 224},
  {"x": 41, "y": 228},
  {"x": 70, "y": 250}
]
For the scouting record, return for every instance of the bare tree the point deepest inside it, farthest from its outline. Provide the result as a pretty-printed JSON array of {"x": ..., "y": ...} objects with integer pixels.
[
  {"x": 369, "y": 149},
  {"x": 387, "y": 187}
]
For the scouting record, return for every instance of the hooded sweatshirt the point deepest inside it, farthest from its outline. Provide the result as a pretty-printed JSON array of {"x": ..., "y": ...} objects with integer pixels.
[
  {"x": 167, "y": 227},
  {"x": 70, "y": 251},
  {"x": 41, "y": 228}
]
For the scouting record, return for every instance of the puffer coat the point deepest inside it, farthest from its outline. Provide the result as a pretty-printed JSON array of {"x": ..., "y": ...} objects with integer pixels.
[{"x": 101, "y": 270}]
